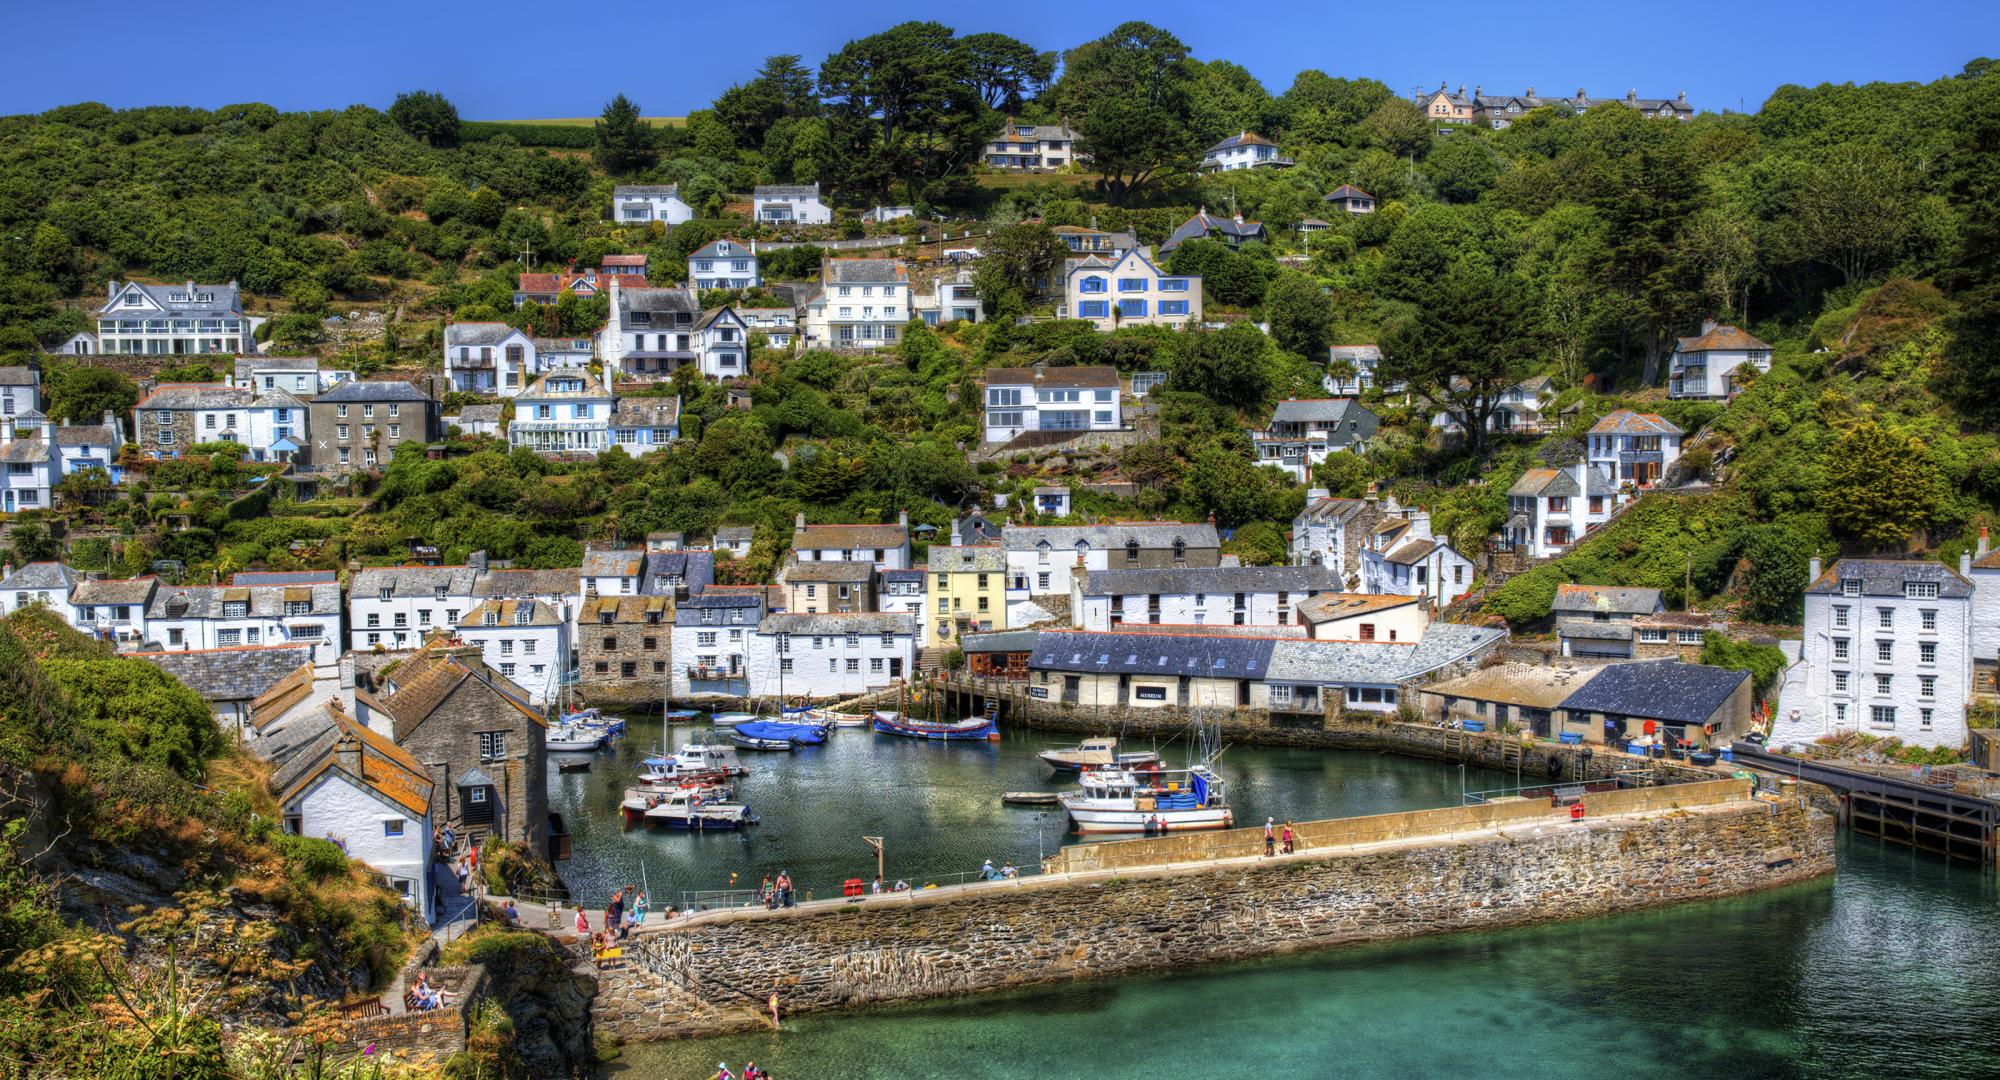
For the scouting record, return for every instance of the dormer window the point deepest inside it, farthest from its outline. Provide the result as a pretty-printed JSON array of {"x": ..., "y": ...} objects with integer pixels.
[
  {"x": 1850, "y": 586},
  {"x": 492, "y": 619},
  {"x": 235, "y": 609},
  {"x": 1920, "y": 590}
]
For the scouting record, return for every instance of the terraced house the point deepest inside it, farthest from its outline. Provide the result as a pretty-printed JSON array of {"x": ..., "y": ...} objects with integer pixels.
[
  {"x": 968, "y": 591},
  {"x": 829, "y": 655},
  {"x": 1129, "y": 290},
  {"x": 253, "y": 609},
  {"x": 1550, "y": 509},
  {"x": 175, "y": 417},
  {"x": 527, "y": 641},
  {"x": 565, "y": 412},
  {"x": 723, "y": 264},
  {"x": 887, "y": 547},
  {"x": 489, "y": 358},
  {"x": 624, "y": 646},
  {"x": 1208, "y": 596},
  {"x": 174, "y": 320},
  {"x": 359, "y": 425},
  {"x": 1041, "y": 559},
  {"x": 649, "y": 333}
]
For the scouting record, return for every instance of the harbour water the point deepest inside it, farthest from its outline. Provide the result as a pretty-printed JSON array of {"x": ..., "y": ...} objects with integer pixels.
[
  {"x": 936, "y": 805},
  {"x": 1890, "y": 971}
]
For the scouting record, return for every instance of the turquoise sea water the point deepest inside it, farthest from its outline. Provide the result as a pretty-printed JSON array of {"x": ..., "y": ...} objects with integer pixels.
[{"x": 1892, "y": 970}]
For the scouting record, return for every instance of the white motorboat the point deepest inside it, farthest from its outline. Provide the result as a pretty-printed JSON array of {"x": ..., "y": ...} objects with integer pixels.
[
  {"x": 835, "y": 719},
  {"x": 682, "y": 810},
  {"x": 708, "y": 757},
  {"x": 1123, "y": 800},
  {"x": 731, "y": 719},
  {"x": 571, "y": 740},
  {"x": 1096, "y": 753}
]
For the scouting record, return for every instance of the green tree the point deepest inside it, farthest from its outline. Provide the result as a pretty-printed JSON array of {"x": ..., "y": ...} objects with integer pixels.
[
  {"x": 782, "y": 89},
  {"x": 1226, "y": 366},
  {"x": 626, "y": 144},
  {"x": 1344, "y": 475},
  {"x": 902, "y": 107},
  {"x": 1005, "y": 72},
  {"x": 1129, "y": 95},
  {"x": 427, "y": 116},
  {"x": 1853, "y": 211},
  {"x": 85, "y": 393},
  {"x": 1017, "y": 259},
  {"x": 1399, "y": 128},
  {"x": 1881, "y": 485},
  {"x": 1465, "y": 346},
  {"x": 1463, "y": 169},
  {"x": 1775, "y": 574},
  {"x": 1300, "y": 314}
]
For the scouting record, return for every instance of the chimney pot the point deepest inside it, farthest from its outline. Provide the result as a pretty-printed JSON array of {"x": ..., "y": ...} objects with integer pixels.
[
  {"x": 1812, "y": 569},
  {"x": 1965, "y": 564},
  {"x": 799, "y": 522},
  {"x": 347, "y": 754}
]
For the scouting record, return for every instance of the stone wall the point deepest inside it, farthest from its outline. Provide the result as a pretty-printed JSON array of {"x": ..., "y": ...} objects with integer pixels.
[
  {"x": 1043, "y": 929},
  {"x": 611, "y": 686}
]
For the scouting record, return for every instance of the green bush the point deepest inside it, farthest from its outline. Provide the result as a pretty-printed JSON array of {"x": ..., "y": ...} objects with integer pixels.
[
  {"x": 313, "y": 858},
  {"x": 560, "y": 136}
]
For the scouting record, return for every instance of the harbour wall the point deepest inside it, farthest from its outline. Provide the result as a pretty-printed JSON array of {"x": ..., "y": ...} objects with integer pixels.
[{"x": 1494, "y": 868}]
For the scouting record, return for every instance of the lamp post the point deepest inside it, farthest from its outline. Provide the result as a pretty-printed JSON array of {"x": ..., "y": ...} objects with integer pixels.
[
  {"x": 1040, "y": 852},
  {"x": 876, "y": 843}
]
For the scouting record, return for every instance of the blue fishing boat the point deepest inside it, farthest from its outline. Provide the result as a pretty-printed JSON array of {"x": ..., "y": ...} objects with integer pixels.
[{"x": 796, "y": 734}]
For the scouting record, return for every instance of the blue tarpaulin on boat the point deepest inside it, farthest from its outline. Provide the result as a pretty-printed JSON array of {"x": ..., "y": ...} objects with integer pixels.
[
  {"x": 1200, "y": 789},
  {"x": 803, "y": 734}
]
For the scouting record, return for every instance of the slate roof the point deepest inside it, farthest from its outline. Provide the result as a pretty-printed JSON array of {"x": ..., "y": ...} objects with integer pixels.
[
  {"x": 622, "y": 260},
  {"x": 266, "y": 601},
  {"x": 242, "y": 673},
  {"x": 735, "y": 532},
  {"x": 1561, "y": 482},
  {"x": 1592, "y": 630},
  {"x": 111, "y": 593},
  {"x": 1051, "y": 489},
  {"x": 646, "y": 412},
  {"x": 1627, "y": 422},
  {"x": 1412, "y": 552},
  {"x": 525, "y": 582},
  {"x": 1346, "y": 191},
  {"x": 86, "y": 435},
  {"x": 1885, "y": 577},
  {"x": 426, "y": 680},
  {"x": 196, "y": 396},
  {"x": 478, "y": 333},
  {"x": 281, "y": 696},
  {"x": 983, "y": 558},
  {"x": 1615, "y": 599},
  {"x": 863, "y": 271},
  {"x": 1087, "y": 376},
  {"x": 1721, "y": 337},
  {"x": 1325, "y": 410},
  {"x": 284, "y": 577},
  {"x": 1000, "y": 641},
  {"x": 1149, "y": 534},
  {"x": 773, "y": 191},
  {"x": 1213, "y": 580},
  {"x": 24, "y": 452},
  {"x": 1203, "y": 223},
  {"x": 847, "y": 537},
  {"x": 840, "y": 622},
  {"x": 228, "y": 300},
  {"x": 1193, "y": 655},
  {"x": 411, "y": 581},
  {"x": 42, "y": 575},
  {"x": 630, "y": 610},
  {"x": 1247, "y": 138},
  {"x": 589, "y": 386},
  {"x": 477, "y": 414},
  {"x": 636, "y": 191},
  {"x": 506, "y": 613},
  {"x": 657, "y": 300},
  {"x": 1658, "y": 690},
  {"x": 714, "y": 250},
  {"x": 915, "y": 574},
  {"x": 1329, "y": 606},
  {"x": 623, "y": 562},
  {"x": 834, "y": 570},
  {"x": 721, "y": 596},
  {"x": 1333, "y": 663},
  {"x": 386, "y": 768},
  {"x": 1534, "y": 686},
  {"x": 372, "y": 390},
  {"x": 18, "y": 375},
  {"x": 1332, "y": 509},
  {"x": 1041, "y": 132}
]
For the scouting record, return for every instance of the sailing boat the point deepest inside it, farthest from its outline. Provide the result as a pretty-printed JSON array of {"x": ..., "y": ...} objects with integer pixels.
[{"x": 898, "y": 721}]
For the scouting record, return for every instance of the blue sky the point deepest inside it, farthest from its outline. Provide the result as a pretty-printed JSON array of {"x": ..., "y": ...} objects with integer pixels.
[{"x": 505, "y": 59}]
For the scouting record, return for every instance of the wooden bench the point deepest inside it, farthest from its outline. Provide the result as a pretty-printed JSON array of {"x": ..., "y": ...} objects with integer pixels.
[{"x": 359, "y": 1010}]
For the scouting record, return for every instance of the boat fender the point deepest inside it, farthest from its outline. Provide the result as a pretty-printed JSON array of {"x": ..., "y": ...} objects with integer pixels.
[{"x": 1555, "y": 767}]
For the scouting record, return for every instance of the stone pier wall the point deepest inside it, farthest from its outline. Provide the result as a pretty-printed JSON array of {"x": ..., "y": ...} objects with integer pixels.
[{"x": 1066, "y": 926}]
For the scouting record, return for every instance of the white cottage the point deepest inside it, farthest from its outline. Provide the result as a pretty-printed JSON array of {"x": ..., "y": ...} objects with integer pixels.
[
  {"x": 638, "y": 204},
  {"x": 367, "y": 795},
  {"x": 790, "y": 204},
  {"x": 724, "y": 264},
  {"x": 489, "y": 358},
  {"x": 1128, "y": 289},
  {"x": 1706, "y": 366},
  {"x": 564, "y": 412},
  {"x": 528, "y": 641}
]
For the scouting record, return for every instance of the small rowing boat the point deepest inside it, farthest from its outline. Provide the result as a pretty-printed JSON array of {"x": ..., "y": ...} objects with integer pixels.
[
  {"x": 753, "y": 742},
  {"x": 573, "y": 740},
  {"x": 573, "y": 766},
  {"x": 680, "y": 714},
  {"x": 977, "y": 728},
  {"x": 1030, "y": 798},
  {"x": 831, "y": 718}
]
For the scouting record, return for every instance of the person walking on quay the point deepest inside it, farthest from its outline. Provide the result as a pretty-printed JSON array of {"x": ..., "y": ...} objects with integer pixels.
[
  {"x": 722, "y": 1071},
  {"x": 614, "y": 911},
  {"x": 785, "y": 888},
  {"x": 878, "y": 885},
  {"x": 768, "y": 893},
  {"x": 1288, "y": 838},
  {"x": 1270, "y": 837},
  {"x": 640, "y": 907},
  {"x": 582, "y": 924}
]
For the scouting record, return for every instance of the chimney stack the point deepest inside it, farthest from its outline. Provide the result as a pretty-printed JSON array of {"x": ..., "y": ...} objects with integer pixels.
[
  {"x": 903, "y": 518},
  {"x": 1707, "y": 325},
  {"x": 1985, "y": 545},
  {"x": 1965, "y": 564},
  {"x": 1812, "y": 570},
  {"x": 799, "y": 522},
  {"x": 347, "y": 754}
]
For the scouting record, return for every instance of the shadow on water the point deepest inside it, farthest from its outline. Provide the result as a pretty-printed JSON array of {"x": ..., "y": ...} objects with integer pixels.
[{"x": 1890, "y": 970}]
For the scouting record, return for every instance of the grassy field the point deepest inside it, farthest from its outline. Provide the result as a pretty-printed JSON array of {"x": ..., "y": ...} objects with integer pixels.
[{"x": 586, "y": 121}]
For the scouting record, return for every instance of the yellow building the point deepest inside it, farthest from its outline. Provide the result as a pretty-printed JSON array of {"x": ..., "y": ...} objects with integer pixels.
[{"x": 968, "y": 593}]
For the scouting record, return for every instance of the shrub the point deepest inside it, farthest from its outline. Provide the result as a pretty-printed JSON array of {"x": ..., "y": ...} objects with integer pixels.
[{"x": 314, "y": 858}]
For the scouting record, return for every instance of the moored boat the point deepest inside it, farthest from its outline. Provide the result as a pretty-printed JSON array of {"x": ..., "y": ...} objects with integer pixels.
[
  {"x": 977, "y": 728},
  {"x": 1030, "y": 798},
  {"x": 573, "y": 740},
  {"x": 1095, "y": 753},
  {"x": 731, "y": 719},
  {"x": 833, "y": 718},
  {"x": 1120, "y": 800},
  {"x": 753, "y": 742},
  {"x": 796, "y": 734},
  {"x": 682, "y": 810},
  {"x": 680, "y": 714}
]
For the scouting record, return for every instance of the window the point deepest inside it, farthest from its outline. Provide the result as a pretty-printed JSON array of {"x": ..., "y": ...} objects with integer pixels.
[
  {"x": 1093, "y": 309},
  {"x": 298, "y": 607},
  {"x": 492, "y": 745},
  {"x": 1558, "y": 504},
  {"x": 628, "y": 669},
  {"x": 1131, "y": 285},
  {"x": 1690, "y": 637},
  {"x": 1042, "y": 580},
  {"x": 1840, "y": 618},
  {"x": 1882, "y": 684},
  {"x": 1173, "y": 307},
  {"x": 1885, "y": 618},
  {"x": 1132, "y": 308},
  {"x": 1840, "y": 648},
  {"x": 1091, "y": 285},
  {"x": 1840, "y": 712},
  {"x": 1920, "y": 590},
  {"x": 1840, "y": 682},
  {"x": 604, "y": 667},
  {"x": 1850, "y": 587},
  {"x": 875, "y": 665},
  {"x": 506, "y": 647},
  {"x": 785, "y": 664},
  {"x": 1173, "y": 284},
  {"x": 227, "y": 638},
  {"x": 1926, "y": 652},
  {"x": 853, "y": 665},
  {"x": 235, "y": 609},
  {"x": 705, "y": 640},
  {"x": 1885, "y": 651},
  {"x": 1882, "y": 716},
  {"x": 392, "y": 827},
  {"x": 1929, "y": 618},
  {"x": 1652, "y": 635},
  {"x": 1924, "y": 719},
  {"x": 1927, "y": 686}
]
